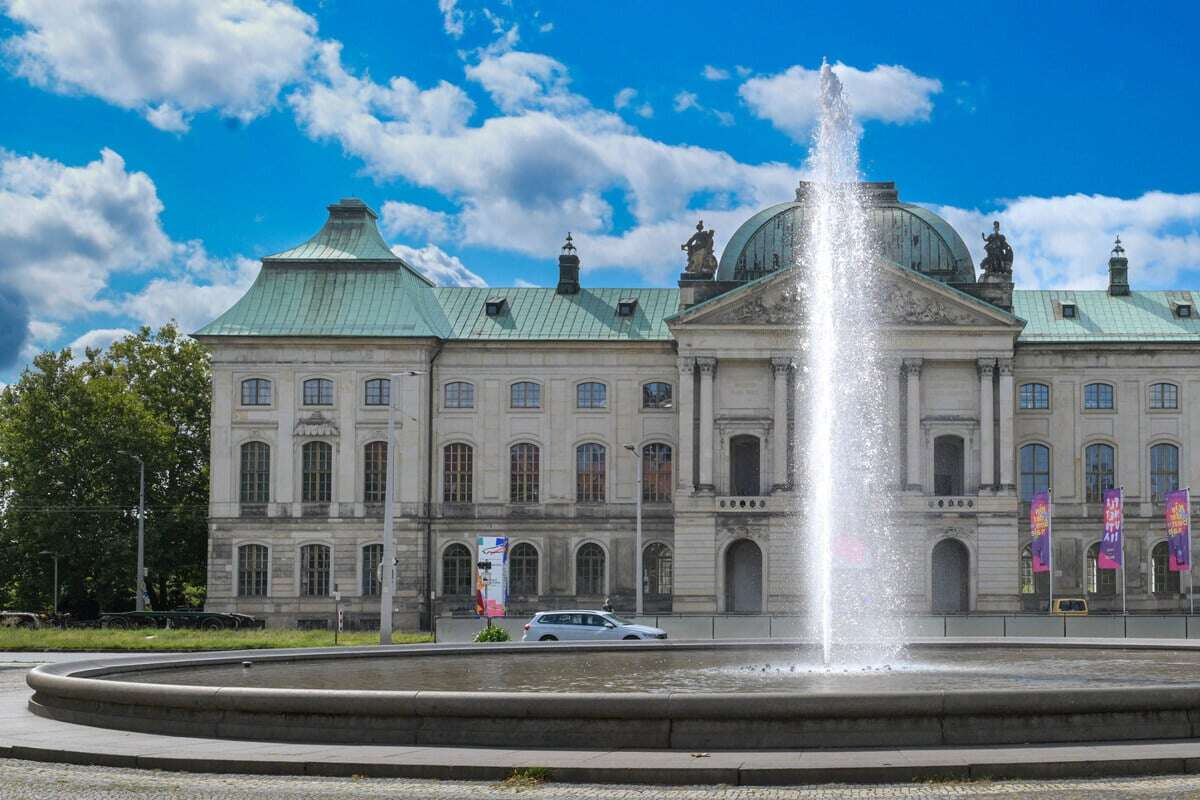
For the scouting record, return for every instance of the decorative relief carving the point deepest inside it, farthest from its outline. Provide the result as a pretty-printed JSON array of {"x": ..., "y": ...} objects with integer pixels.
[
  {"x": 686, "y": 365},
  {"x": 706, "y": 365},
  {"x": 986, "y": 367},
  {"x": 1006, "y": 366},
  {"x": 316, "y": 424},
  {"x": 781, "y": 365},
  {"x": 912, "y": 366},
  {"x": 905, "y": 305}
]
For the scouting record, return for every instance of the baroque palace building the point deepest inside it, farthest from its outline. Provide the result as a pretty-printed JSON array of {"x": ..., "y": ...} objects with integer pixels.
[{"x": 524, "y": 399}]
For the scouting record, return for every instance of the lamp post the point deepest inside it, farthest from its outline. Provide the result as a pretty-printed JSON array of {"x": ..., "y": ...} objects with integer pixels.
[
  {"x": 140, "y": 600},
  {"x": 638, "y": 535},
  {"x": 54, "y": 555},
  {"x": 387, "y": 572}
]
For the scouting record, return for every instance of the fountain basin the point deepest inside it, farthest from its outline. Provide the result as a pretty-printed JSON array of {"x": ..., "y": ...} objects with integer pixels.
[{"x": 696, "y": 696}]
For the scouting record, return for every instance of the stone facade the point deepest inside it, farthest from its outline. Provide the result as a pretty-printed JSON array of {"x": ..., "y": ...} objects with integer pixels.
[{"x": 957, "y": 361}]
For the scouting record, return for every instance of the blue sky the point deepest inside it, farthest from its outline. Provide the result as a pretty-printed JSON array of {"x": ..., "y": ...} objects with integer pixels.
[{"x": 151, "y": 152}]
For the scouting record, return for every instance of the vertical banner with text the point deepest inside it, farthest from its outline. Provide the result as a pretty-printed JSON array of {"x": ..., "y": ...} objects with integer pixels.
[
  {"x": 491, "y": 585},
  {"x": 1112, "y": 546},
  {"x": 1039, "y": 530},
  {"x": 1179, "y": 530}
]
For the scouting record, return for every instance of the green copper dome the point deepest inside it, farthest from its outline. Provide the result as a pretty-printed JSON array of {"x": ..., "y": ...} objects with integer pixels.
[{"x": 911, "y": 236}]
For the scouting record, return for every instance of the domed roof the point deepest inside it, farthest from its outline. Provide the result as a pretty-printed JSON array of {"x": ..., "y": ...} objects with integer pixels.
[{"x": 909, "y": 235}]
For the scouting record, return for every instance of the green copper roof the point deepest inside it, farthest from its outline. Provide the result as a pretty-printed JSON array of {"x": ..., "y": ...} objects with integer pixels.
[
  {"x": 1101, "y": 317},
  {"x": 544, "y": 315},
  {"x": 334, "y": 301},
  {"x": 350, "y": 234}
]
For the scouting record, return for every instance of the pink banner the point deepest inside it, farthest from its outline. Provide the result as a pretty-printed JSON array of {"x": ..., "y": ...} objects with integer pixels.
[
  {"x": 1179, "y": 530},
  {"x": 1039, "y": 529},
  {"x": 1112, "y": 546}
]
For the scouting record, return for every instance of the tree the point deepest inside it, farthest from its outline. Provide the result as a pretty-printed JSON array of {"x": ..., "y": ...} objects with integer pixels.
[{"x": 69, "y": 483}]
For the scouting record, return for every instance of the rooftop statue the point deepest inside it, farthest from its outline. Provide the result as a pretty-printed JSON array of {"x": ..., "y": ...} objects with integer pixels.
[
  {"x": 700, "y": 260},
  {"x": 999, "y": 259}
]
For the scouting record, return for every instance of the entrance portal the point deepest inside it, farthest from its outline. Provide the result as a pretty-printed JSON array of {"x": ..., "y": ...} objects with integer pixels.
[
  {"x": 743, "y": 578},
  {"x": 951, "y": 577}
]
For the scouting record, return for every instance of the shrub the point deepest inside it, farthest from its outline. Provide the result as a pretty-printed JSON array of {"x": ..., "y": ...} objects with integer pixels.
[{"x": 492, "y": 634}]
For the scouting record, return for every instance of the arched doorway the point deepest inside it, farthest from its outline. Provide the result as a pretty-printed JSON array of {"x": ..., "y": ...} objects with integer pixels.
[
  {"x": 951, "y": 577},
  {"x": 743, "y": 578},
  {"x": 743, "y": 466}
]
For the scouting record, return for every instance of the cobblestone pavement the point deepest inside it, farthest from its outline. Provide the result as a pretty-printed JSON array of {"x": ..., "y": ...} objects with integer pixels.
[{"x": 25, "y": 780}]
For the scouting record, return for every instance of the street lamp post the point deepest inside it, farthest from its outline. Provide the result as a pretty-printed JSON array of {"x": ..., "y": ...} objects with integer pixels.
[
  {"x": 638, "y": 536},
  {"x": 140, "y": 600},
  {"x": 54, "y": 555},
  {"x": 387, "y": 572}
]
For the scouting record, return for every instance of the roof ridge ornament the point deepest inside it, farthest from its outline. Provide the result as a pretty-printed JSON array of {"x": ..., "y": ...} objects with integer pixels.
[
  {"x": 1117, "y": 249},
  {"x": 999, "y": 259},
  {"x": 568, "y": 246},
  {"x": 701, "y": 260}
]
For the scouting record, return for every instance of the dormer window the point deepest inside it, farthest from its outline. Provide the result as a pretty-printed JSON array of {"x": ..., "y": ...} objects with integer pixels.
[
  {"x": 626, "y": 307},
  {"x": 495, "y": 306},
  {"x": 1068, "y": 310},
  {"x": 1183, "y": 310}
]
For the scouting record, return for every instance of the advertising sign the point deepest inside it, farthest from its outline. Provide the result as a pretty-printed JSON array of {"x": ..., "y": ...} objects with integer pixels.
[
  {"x": 491, "y": 582},
  {"x": 1112, "y": 549},
  {"x": 1179, "y": 531},
  {"x": 1039, "y": 529}
]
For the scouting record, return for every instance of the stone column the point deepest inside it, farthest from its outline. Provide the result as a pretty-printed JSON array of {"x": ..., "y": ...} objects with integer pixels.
[
  {"x": 1006, "y": 424},
  {"x": 707, "y": 367},
  {"x": 912, "y": 372},
  {"x": 685, "y": 458},
  {"x": 782, "y": 368},
  {"x": 987, "y": 455}
]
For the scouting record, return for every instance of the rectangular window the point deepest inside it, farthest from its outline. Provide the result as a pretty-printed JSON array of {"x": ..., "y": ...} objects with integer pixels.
[
  {"x": 1034, "y": 396},
  {"x": 458, "y": 474},
  {"x": 460, "y": 395},
  {"x": 317, "y": 473},
  {"x": 256, "y": 392},
  {"x": 379, "y": 392},
  {"x": 318, "y": 392},
  {"x": 256, "y": 473},
  {"x": 314, "y": 570},
  {"x": 372, "y": 556},
  {"x": 1098, "y": 396},
  {"x": 591, "y": 395},
  {"x": 1164, "y": 395},
  {"x": 524, "y": 474},
  {"x": 252, "y": 570},
  {"x": 656, "y": 395}
]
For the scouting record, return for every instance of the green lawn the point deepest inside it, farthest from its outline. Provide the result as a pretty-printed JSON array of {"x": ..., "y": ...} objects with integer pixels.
[{"x": 50, "y": 639}]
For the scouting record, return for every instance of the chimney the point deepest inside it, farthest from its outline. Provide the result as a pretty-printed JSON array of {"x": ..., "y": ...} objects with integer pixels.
[
  {"x": 568, "y": 269},
  {"x": 1118, "y": 271}
]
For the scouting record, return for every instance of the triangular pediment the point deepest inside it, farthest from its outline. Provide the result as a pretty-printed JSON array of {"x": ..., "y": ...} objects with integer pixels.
[{"x": 905, "y": 299}]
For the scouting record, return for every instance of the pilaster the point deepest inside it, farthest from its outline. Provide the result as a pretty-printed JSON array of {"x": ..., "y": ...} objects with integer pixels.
[
  {"x": 782, "y": 368},
  {"x": 987, "y": 455},
  {"x": 912, "y": 374},
  {"x": 707, "y": 367}
]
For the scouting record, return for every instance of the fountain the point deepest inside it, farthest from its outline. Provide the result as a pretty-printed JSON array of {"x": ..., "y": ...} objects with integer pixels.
[{"x": 845, "y": 513}]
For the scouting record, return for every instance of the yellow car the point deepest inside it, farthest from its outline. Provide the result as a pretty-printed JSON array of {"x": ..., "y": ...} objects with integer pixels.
[{"x": 1070, "y": 606}]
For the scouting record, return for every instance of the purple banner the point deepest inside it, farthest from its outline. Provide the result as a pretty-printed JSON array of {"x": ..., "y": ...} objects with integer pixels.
[
  {"x": 1112, "y": 546},
  {"x": 1179, "y": 530},
  {"x": 1039, "y": 529}
]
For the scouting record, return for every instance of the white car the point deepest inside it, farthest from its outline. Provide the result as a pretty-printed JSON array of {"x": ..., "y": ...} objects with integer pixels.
[{"x": 585, "y": 626}]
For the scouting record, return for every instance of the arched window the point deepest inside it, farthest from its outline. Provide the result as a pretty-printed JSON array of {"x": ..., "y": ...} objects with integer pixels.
[
  {"x": 255, "y": 484},
  {"x": 253, "y": 570},
  {"x": 372, "y": 558},
  {"x": 1034, "y": 396},
  {"x": 458, "y": 472},
  {"x": 948, "y": 466},
  {"x": 656, "y": 395},
  {"x": 656, "y": 473},
  {"x": 318, "y": 392},
  {"x": 1035, "y": 470},
  {"x": 526, "y": 394},
  {"x": 524, "y": 473},
  {"x": 1164, "y": 470},
  {"x": 1099, "y": 581},
  {"x": 256, "y": 392},
  {"x": 591, "y": 395},
  {"x": 1164, "y": 395},
  {"x": 523, "y": 569},
  {"x": 1099, "y": 469},
  {"x": 1026, "y": 571},
  {"x": 314, "y": 570},
  {"x": 1098, "y": 396},
  {"x": 379, "y": 392},
  {"x": 316, "y": 472},
  {"x": 657, "y": 569},
  {"x": 375, "y": 461},
  {"x": 456, "y": 571},
  {"x": 1162, "y": 579},
  {"x": 589, "y": 473},
  {"x": 589, "y": 570},
  {"x": 459, "y": 394}
]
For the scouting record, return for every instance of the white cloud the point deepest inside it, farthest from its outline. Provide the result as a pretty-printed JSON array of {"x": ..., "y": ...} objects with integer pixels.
[
  {"x": 452, "y": 17},
  {"x": 723, "y": 117},
  {"x": 413, "y": 220},
  {"x": 1064, "y": 242},
  {"x": 688, "y": 101},
  {"x": 551, "y": 163},
  {"x": 97, "y": 339},
  {"x": 645, "y": 111},
  {"x": 711, "y": 73},
  {"x": 685, "y": 100},
  {"x": 521, "y": 283},
  {"x": 438, "y": 265},
  {"x": 165, "y": 59},
  {"x": 624, "y": 97},
  {"x": 743, "y": 72},
  {"x": 546, "y": 27},
  {"x": 887, "y": 93},
  {"x": 194, "y": 290}
]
